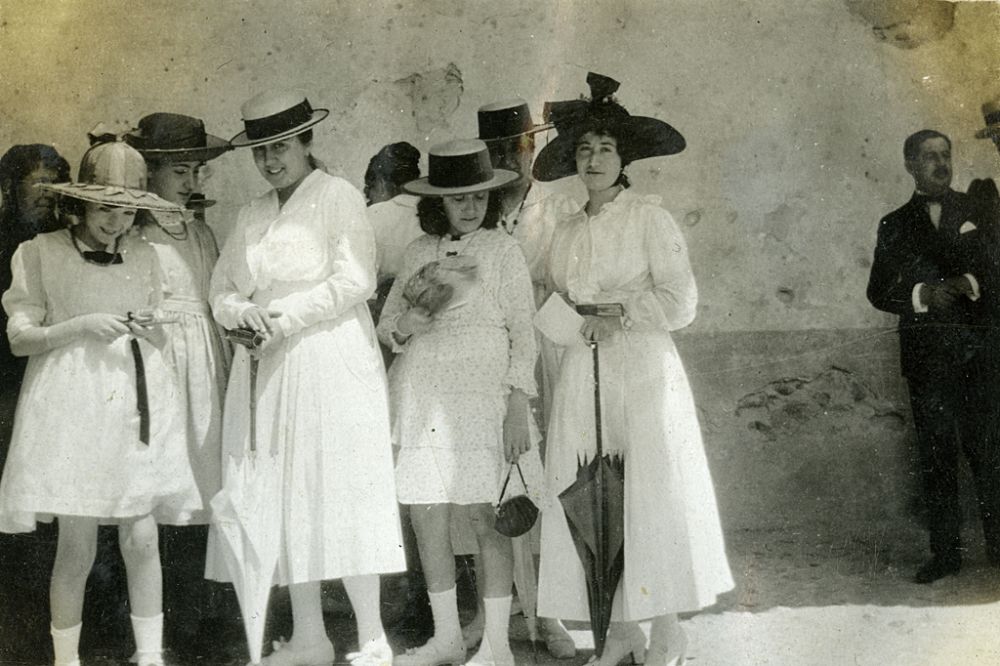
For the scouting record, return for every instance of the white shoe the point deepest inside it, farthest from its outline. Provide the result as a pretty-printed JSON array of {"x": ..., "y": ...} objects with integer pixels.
[
  {"x": 373, "y": 653},
  {"x": 432, "y": 653},
  {"x": 486, "y": 657}
]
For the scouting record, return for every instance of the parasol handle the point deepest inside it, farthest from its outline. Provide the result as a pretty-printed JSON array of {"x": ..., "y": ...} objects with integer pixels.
[
  {"x": 254, "y": 363},
  {"x": 597, "y": 399}
]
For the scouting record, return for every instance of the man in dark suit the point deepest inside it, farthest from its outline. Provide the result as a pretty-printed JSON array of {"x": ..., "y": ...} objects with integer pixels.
[{"x": 930, "y": 262}]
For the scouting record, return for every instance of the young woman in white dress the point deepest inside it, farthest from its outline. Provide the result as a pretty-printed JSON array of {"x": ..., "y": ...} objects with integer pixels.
[
  {"x": 624, "y": 248},
  {"x": 177, "y": 151},
  {"x": 298, "y": 269}
]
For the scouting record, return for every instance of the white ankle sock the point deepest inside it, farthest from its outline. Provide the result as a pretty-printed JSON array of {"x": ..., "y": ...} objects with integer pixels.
[
  {"x": 65, "y": 644},
  {"x": 148, "y": 639},
  {"x": 497, "y": 623},
  {"x": 364, "y": 593},
  {"x": 444, "y": 608}
]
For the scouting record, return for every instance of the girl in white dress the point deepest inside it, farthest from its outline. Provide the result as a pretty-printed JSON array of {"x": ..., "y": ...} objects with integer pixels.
[
  {"x": 96, "y": 436},
  {"x": 624, "y": 248},
  {"x": 176, "y": 149},
  {"x": 297, "y": 269},
  {"x": 459, "y": 391}
]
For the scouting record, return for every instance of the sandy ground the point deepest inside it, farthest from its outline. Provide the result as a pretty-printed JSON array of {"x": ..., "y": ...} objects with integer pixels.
[{"x": 803, "y": 598}]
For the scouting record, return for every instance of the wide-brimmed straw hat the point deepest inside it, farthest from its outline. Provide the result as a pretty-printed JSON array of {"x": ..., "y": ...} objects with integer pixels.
[
  {"x": 639, "y": 137},
  {"x": 274, "y": 115},
  {"x": 991, "y": 114},
  {"x": 506, "y": 119},
  {"x": 175, "y": 137},
  {"x": 460, "y": 166},
  {"x": 112, "y": 173}
]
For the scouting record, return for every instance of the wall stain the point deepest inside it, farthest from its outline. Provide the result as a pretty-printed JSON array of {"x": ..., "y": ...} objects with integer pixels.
[
  {"x": 435, "y": 95},
  {"x": 905, "y": 24},
  {"x": 793, "y": 402}
]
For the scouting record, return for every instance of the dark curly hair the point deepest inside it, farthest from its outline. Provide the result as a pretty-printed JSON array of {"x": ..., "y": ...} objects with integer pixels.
[
  {"x": 15, "y": 165},
  {"x": 396, "y": 163},
  {"x": 434, "y": 219}
]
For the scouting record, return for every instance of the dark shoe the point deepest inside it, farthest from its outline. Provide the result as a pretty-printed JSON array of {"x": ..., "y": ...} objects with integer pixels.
[{"x": 937, "y": 567}]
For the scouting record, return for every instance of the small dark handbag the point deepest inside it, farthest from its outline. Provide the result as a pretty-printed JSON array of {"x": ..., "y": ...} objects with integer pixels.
[{"x": 516, "y": 515}]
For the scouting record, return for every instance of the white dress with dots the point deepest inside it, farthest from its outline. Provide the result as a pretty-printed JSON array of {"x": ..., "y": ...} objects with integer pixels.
[{"x": 448, "y": 388}]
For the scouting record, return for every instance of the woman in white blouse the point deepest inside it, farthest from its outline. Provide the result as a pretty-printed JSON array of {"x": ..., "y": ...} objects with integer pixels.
[
  {"x": 298, "y": 269},
  {"x": 624, "y": 248}
]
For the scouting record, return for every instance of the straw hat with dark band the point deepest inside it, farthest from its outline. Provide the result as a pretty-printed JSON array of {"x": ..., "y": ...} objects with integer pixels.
[
  {"x": 991, "y": 114},
  {"x": 274, "y": 115},
  {"x": 113, "y": 173},
  {"x": 638, "y": 137},
  {"x": 175, "y": 137},
  {"x": 461, "y": 166}
]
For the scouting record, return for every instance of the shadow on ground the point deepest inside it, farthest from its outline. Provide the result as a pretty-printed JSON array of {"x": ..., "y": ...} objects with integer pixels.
[{"x": 803, "y": 586}]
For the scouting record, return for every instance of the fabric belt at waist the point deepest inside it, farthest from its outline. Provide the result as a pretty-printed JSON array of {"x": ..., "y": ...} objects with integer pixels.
[{"x": 188, "y": 306}]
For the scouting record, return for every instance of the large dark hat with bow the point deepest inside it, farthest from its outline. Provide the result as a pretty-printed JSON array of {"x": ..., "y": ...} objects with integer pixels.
[{"x": 638, "y": 137}]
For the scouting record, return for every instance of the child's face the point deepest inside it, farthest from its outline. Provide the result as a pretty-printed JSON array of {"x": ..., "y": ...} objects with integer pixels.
[
  {"x": 103, "y": 224},
  {"x": 177, "y": 181}
]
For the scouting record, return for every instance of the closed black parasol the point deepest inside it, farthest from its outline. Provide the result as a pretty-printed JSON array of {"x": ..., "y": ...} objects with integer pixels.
[{"x": 594, "y": 506}]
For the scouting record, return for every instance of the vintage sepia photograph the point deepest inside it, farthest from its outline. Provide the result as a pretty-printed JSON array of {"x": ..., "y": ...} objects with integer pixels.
[{"x": 536, "y": 332}]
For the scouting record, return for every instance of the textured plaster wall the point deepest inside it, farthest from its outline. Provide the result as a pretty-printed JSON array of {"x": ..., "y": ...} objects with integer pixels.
[{"x": 794, "y": 112}]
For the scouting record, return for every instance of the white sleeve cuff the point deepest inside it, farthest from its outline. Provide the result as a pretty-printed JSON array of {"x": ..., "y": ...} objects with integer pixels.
[
  {"x": 975, "y": 286},
  {"x": 918, "y": 306}
]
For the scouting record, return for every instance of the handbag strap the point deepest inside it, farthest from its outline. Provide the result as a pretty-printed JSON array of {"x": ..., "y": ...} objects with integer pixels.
[{"x": 507, "y": 480}]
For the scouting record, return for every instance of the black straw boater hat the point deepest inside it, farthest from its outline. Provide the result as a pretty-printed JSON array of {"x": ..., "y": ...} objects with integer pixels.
[
  {"x": 638, "y": 137},
  {"x": 461, "y": 166},
  {"x": 175, "y": 137},
  {"x": 991, "y": 114},
  {"x": 506, "y": 119},
  {"x": 275, "y": 115}
]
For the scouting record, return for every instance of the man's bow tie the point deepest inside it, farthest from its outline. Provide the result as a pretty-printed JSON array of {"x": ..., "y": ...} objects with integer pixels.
[
  {"x": 927, "y": 199},
  {"x": 101, "y": 257}
]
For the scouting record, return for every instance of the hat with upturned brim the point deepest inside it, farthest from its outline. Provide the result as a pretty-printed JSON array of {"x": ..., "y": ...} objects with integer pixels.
[
  {"x": 112, "y": 173},
  {"x": 460, "y": 166},
  {"x": 274, "y": 115},
  {"x": 991, "y": 114},
  {"x": 639, "y": 137},
  {"x": 506, "y": 119},
  {"x": 176, "y": 137}
]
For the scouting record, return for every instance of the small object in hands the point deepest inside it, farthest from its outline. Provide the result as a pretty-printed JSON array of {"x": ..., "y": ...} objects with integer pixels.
[
  {"x": 246, "y": 337},
  {"x": 443, "y": 284},
  {"x": 558, "y": 321},
  {"x": 515, "y": 515},
  {"x": 146, "y": 318},
  {"x": 601, "y": 309}
]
